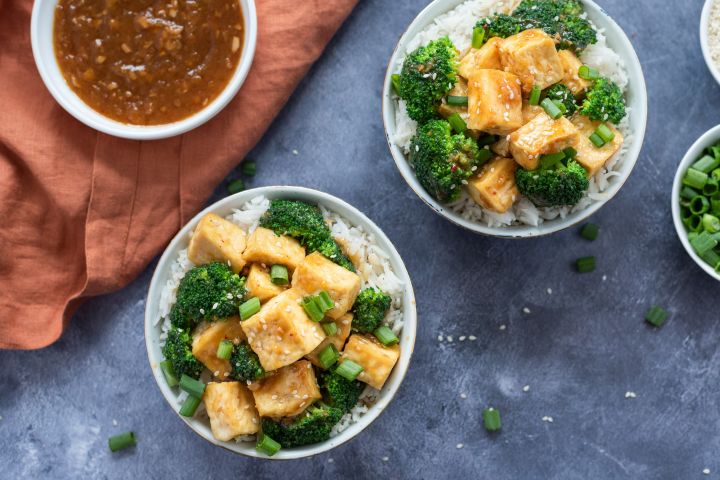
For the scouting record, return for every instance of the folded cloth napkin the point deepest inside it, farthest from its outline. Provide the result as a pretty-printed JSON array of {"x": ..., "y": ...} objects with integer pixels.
[{"x": 83, "y": 213}]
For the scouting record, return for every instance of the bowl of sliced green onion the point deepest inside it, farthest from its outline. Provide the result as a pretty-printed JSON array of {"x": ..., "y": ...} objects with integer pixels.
[{"x": 696, "y": 202}]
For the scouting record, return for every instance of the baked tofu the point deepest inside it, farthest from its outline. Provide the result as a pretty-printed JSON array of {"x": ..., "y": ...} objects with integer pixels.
[
  {"x": 259, "y": 284},
  {"x": 265, "y": 247},
  {"x": 540, "y": 136},
  {"x": 589, "y": 156},
  {"x": 495, "y": 188},
  {"x": 501, "y": 148},
  {"x": 459, "y": 90},
  {"x": 206, "y": 341},
  {"x": 231, "y": 408},
  {"x": 377, "y": 360},
  {"x": 287, "y": 393},
  {"x": 494, "y": 102},
  {"x": 217, "y": 240},
  {"x": 571, "y": 65},
  {"x": 531, "y": 55},
  {"x": 530, "y": 111},
  {"x": 343, "y": 332},
  {"x": 316, "y": 273},
  {"x": 281, "y": 332},
  {"x": 485, "y": 57}
]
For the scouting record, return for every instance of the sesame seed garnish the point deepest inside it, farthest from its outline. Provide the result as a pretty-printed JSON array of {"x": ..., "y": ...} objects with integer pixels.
[
  {"x": 706, "y": 471},
  {"x": 459, "y": 446},
  {"x": 549, "y": 290},
  {"x": 295, "y": 152},
  {"x": 385, "y": 459},
  {"x": 630, "y": 394},
  {"x": 503, "y": 327},
  {"x": 114, "y": 422},
  {"x": 472, "y": 338},
  {"x": 449, "y": 338},
  {"x": 462, "y": 338},
  {"x": 215, "y": 305},
  {"x": 526, "y": 388},
  {"x": 463, "y": 395},
  {"x": 526, "y": 310},
  {"x": 547, "y": 419}
]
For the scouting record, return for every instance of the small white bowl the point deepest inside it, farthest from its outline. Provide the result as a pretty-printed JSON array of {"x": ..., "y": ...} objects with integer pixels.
[
  {"x": 225, "y": 207},
  {"x": 636, "y": 99},
  {"x": 708, "y": 139},
  {"x": 41, "y": 35},
  {"x": 704, "y": 31}
]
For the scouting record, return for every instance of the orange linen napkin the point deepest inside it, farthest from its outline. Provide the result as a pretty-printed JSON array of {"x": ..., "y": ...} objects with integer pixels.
[{"x": 83, "y": 213}]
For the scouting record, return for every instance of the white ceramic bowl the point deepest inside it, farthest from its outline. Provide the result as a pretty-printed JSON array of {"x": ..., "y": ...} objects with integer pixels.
[
  {"x": 225, "y": 207},
  {"x": 636, "y": 100},
  {"x": 41, "y": 34},
  {"x": 704, "y": 29},
  {"x": 708, "y": 139}
]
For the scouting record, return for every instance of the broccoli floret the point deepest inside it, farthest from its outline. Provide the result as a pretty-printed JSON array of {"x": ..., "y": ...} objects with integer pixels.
[
  {"x": 207, "y": 292},
  {"x": 340, "y": 392},
  {"x": 305, "y": 223},
  {"x": 500, "y": 25},
  {"x": 245, "y": 364},
  {"x": 178, "y": 350},
  {"x": 577, "y": 34},
  {"x": 563, "y": 94},
  {"x": 542, "y": 14},
  {"x": 312, "y": 426},
  {"x": 558, "y": 18},
  {"x": 554, "y": 186},
  {"x": 427, "y": 75},
  {"x": 604, "y": 102},
  {"x": 443, "y": 161},
  {"x": 570, "y": 7},
  {"x": 369, "y": 310}
]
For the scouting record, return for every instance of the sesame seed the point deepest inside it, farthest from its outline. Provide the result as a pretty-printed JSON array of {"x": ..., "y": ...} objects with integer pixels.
[
  {"x": 215, "y": 305},
  {"x": 463, "y": 395},
  {"x": 202, "y": 311},
  {"x": 472, "y": 338},
  {"x": 459, "y": 446},
  {"x": 526, "y": 388},
  {"x": 440, "y": 338},
  {"x": 295, "y": 152},
  {"x": 385, "y": 459},
  {"x": 547, "y": 419},
  {"x": 549, "y": 290},
  {"x": 526, "y": 310},
  {"x": 449, "y": 338},
  {"x": 503, "y": 327},
  {"x": 330, "y": 460},
  {"x": 115, "y": 423},
  {"x": 630, "y": 394},
  {"x": 462, "y": 338},
  {"x": 274, "y": 397},
  {"x": 706, "y": 471}
]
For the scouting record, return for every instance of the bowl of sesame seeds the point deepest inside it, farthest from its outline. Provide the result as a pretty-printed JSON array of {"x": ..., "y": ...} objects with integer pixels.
[{"x": 710, "y": 36}]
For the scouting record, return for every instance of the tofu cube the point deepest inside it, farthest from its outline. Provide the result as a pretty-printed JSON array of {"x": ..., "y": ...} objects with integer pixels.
[
  {"x": 217, "y": 240},
  {"x": 459, "y": 90},
  {"x": 531, "y": 55},
  {"x": 376, "y": 359},
  {"x": 494, "y": 102},
  {"x": 529, "y": 112},
  {"x": 288, "y": 392},
  {"x": 259, "y": 284},
  {"x": 485, "y": 57},
  {"x": 571, "y": 65},
  {"x": 281, "y": 332},
  {"x": 589, "y": 156},
  {"x": 343, "y": 332},
  {"x": 501, "y": 148},
  {"x": 495, "y": 188},
  {"x": 265, "y": 247},
  {"x": 231, "y": 408},
  {"x": 207, "y": 338},
  {"x": 316, "y": 273},
  {"x": 540, "y": 136}
]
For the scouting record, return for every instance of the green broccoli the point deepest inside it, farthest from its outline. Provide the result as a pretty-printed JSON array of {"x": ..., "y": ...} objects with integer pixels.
[
  {"x": 563, "y": 94},
  {"x": 442, "y": 161},
  {"x": 369, "y": 310},
  {"x": 312, "y": 426},
  {"x": 245, "y": 364},
  {"x": 558, "y": 18},
  {"x": 576, "y": 33},
  {"x": 556, "y": 185},
  {"x": 306, "y": 224},
  {"x": 340, "y": 392},
  {"x": 604, "y": 101},
  {"x": 207, "y": 292},
  {"x": 178, "y": 350},
  {"x": 499, "y": 25},
  {"x": 428, "y": 73}
]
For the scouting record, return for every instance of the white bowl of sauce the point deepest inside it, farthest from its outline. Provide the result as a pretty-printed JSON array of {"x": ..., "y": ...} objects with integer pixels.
[{"x": 140, "y": 71}]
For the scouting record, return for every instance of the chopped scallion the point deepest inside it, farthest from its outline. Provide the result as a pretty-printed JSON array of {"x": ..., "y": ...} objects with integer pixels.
[
  {"x": 189, "y": 406},
  {"x": 330, "y": 328},
  {"x": 695, "y": 179},
  {"x": 605, "y": 133},
  {"x": 457, "y": 101},
  {"x": 457, "y": 123},
  {"x": 703, "y": 243},
  {"x": 597, "y": 140},
  {"x": 312, "y": 309},
  {"x": 122, "y": 441},
  {"x": 225, "y": 349},
  {"x": 491, "y": 419},
  {"x": 249, "y": 168},
  {"x": 267, "y": 445},
  {"x": 535, "y": 95},
  {"x": 586, "y": 264},
  {"x": 588, "y": 73},
  {"x": 711, "y": 187},
  {"x": 326, "y": 303},
  {"x": 279, "y": 275},
  {"x": 699, "y": 205},
  {"x": 688, "y": 193},
  {"x": 656, "y": 316},
  {"x": 711, "y": 223},
  {"x": 236, "y": 186},
  {"x": 706, "y": 164},
  {"x": 349, "y": 370},
  {"x": 551, "y": 109},
  {"x": 386, "y": 336},
  {"x": 478, "y": 37},
  {"x": 328, "y": 356},
  {"x": 484, "y": 154},
  {"x": 169, "y": 373},
  {"x": 195, "y": 388},
  {"x": 249, "y": 308},
  {"x": 551, "y": 160},
  {"x": 590, "y": 231},
  {"x": 395, "y": 80}
]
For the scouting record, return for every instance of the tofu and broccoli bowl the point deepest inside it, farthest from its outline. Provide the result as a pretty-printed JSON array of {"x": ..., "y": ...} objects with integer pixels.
[
  {"x": 280, "y": 325},
  {"x": 513, "y": 114}
]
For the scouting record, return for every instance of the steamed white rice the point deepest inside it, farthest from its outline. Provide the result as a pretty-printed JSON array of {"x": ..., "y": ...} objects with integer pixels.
[
  {"x": 371, "y": 261},
  {"x": 458, "y": 24}
]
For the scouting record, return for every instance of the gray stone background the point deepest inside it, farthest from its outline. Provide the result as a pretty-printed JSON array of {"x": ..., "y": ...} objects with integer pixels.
[{"x": 580, "y": 349}]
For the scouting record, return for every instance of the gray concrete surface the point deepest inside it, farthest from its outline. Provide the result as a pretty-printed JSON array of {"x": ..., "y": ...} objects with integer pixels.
[{"x": 580, "y": 349}]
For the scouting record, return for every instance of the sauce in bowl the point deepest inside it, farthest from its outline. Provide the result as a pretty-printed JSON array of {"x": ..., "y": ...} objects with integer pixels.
[{"x": 148, "y": 62}]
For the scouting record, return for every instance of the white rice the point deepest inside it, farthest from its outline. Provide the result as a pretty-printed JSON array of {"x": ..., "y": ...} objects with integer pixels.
[
  {"x": 458, "y": 24},
  {"x": 373, "y": 266}
]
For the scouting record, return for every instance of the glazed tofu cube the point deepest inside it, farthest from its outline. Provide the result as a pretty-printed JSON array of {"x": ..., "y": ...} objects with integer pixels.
[
  {"x": 281, "y": 332},
  {"x": 316, "y": 273},
  {"x": 343, "y": 332},
  {"x": 531, "y": 55},
  {"x": 495, "y": 188},
  {"x": 217, "y": 240},
  {"x": 494, "y": 102},
  {"x": 589, "y": 156},
  {"x": 288, "y": 392},
  {"x": 540, "y": 136},
  {"x": 571, "y": 65},
  {"x": 459, "y": 90},
  {"x": 259, "y": 284},
  {"x": 501, "y": 148},
  {"x": 231, "y": 408},
  {"x": 207, "y": 338},
  {"x": 377, "y": 360},
  {"x": 265, "y": 247},
  {"x": 529, "y": 112},
  {"x": 486, "y": 57}
]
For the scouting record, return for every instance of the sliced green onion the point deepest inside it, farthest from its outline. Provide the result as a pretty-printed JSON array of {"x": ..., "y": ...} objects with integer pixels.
[
  {"x": 561, "y": 106},
  {"x": 686, "y": 214},
  {"x": 491, "y": 419},
  {"x": 692, "y": 235},
  {"x": 695, "y": 179},
  {"x": 457, "y": 101},
  {"x": 535, "y": 95},
  {"x": 711, "y": 223},
  {"x": 715, "y": 204},
  {"x": 656, "y": 316},
  {"x": 699, "y": 205},
  {"x": 484, "y": 154},
  {"x": 590, "y": 231},
  {"x": 586, "y": 264},
  {"x": 712, "y": 258},
  {"x": 551, "y": 109},
  {"x": 711, "y": 187},
  {"x": 588, "y": 73},
  {"x": 326, "y": 303},
  {"x": 694, "y": 223},
  {"x": 386, "y": 336},
  {"x": 225, "y": 349},
  {"x": 328, "y": 356},
  {"x": 330, "y": 328},
  {"x": 478, "y": 37},
  {"x": 312, "y": 309},
  {"x": 249, "y": 168},
  {"x": 395, "y": 80},
  {"x": 236, "y": 186},
  {"x": 122, "y": 441},
  {"x": 706, "y": 164},
  {"x": 715, "y": 174},
  {"x": 688, "y": 193},
  {"x": 570, "y": 152},
  {"x": 195, "y": 388},
  {"x": 349, "y": 370},
  {"x": 189, "y": 406},
  {"x": 279, "y": 275},
  {"x": 551, "y": 160},
  {"x": 597, "y": 140},
  {"x": 249, "y": 308},
  {"x": 169, "y": 373},
  {"x": 487, "y": 140},
  {"x": 267, "y": 445},
  {"x": 605, "y": 133},
  {"x": 457, "y": 123},
  {"x": 703, "y": 243}
]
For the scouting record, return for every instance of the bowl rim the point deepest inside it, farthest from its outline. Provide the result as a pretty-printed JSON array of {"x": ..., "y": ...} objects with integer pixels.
[
  {"x": 708, "y": 138},
  {"x": 548, "y": 227},
  {"x": 408, "y": 336},
  {"x": 55, "y": 83},
  {"x": 704, "y": 40}
]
